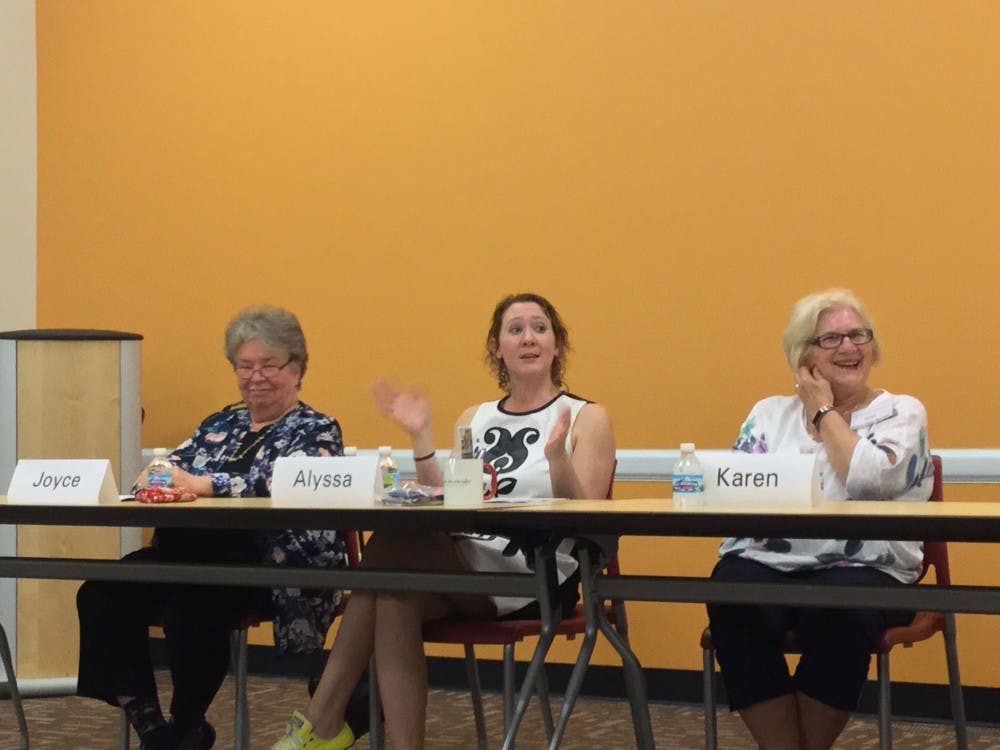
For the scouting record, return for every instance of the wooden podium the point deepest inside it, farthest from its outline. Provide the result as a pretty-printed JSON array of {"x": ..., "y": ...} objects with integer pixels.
[{"x": 63, "y": 394}]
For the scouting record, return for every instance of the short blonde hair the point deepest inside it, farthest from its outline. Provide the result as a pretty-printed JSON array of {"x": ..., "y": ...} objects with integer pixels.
[{"x": 805, "y": 315}]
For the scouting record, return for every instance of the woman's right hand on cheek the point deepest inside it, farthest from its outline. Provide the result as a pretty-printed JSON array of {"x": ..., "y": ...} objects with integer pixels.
[{"x": 813, "y": 389}]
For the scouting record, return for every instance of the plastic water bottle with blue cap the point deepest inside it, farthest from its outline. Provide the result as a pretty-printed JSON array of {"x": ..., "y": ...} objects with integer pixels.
[
  {"x": 160, "y": 472},
  {"x": 689, "y": 481}
]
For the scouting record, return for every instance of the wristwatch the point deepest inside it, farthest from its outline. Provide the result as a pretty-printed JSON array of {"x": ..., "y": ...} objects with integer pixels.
[{"x": 820, "y": 413}]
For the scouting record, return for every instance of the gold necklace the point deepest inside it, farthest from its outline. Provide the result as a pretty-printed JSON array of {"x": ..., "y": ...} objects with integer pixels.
[{"x": 239, "y": 453}]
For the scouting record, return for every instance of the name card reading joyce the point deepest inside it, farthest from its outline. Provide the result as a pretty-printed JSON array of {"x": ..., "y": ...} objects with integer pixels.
[
  {"x": 733, "y": 478},
  {"x": 323, "y": 480},
  {"x": 65, "y": 481}
]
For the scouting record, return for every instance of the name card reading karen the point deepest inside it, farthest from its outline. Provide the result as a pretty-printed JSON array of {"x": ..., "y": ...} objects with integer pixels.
[
  {"x": 735, "y": 478},
  {"x": 63, "y": 481},
  {"x": 323, "y": 480}
]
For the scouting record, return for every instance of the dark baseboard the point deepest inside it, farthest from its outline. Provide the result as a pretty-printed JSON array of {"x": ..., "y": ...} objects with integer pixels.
[{"x": 914, "y": 701}]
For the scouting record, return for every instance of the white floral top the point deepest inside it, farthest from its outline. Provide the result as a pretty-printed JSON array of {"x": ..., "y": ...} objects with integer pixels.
[{"x": 890, "y": 424}]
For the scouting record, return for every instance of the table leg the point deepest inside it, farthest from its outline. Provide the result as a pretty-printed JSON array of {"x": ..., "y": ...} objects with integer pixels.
[
  {"x": 635, "y": 682},
  {"x": 596, "y": 619},
  {"x": 548, "y": 582},
  {"x": 590, "y": 607}
]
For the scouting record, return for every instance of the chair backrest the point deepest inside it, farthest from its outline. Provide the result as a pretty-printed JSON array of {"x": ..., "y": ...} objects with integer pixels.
[{"x": 936, "y": 553}]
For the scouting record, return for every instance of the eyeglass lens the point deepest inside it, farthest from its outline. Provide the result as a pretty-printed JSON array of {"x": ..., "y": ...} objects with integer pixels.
[{"x": 856, "y": 336}]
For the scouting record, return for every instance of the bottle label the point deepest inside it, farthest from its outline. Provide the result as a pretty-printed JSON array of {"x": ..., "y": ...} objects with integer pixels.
[
  {"x": 159, "y": 476},
  {"x": 390, "y": 477},
  {"x": 688, "y": 483}
]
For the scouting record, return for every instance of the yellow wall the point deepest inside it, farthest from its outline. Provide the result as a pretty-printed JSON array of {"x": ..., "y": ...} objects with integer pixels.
[{"x": 672, "y": 174}]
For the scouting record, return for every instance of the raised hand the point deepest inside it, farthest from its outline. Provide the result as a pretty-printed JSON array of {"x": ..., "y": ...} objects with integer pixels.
[
  {"x": 813, "y": 389},
  {"x": 409, "y": 409},
  {"x": 555, "y": 448}
]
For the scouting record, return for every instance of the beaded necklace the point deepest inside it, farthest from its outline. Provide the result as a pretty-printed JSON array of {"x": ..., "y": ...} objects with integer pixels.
[{"x": 239, "y": 452}]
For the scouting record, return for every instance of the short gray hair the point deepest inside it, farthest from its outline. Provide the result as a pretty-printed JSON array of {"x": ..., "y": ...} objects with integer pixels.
[
  {"x": 805, "y": 314},
  {"x": 272, "y": 326}
]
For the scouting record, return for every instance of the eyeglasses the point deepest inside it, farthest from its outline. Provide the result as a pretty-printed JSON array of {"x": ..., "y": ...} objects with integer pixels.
[
  {"x": 245, "y": 372},
  {"x": 832, "y": 340}
]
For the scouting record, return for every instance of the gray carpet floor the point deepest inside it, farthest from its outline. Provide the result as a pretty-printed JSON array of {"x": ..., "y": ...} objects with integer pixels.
[{"x": 61, "y": 723}]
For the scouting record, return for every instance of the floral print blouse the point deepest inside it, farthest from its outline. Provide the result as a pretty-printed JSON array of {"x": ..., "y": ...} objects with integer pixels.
[
  {"x": 301, "y": 616},
  {"x": 890, "y": 425}
]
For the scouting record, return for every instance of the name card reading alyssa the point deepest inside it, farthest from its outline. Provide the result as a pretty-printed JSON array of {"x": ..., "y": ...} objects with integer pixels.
[
  {"x": 63, "y": 481},
  {"x": 323, "y": 480},
  {"x": 733, "y": 477}
]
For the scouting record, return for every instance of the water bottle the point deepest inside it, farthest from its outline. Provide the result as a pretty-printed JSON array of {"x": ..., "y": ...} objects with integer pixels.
[
  {"x": 689, "y": 481},
  {"x": 387, "y": 470},
  {"x": 160, "y": 472}
]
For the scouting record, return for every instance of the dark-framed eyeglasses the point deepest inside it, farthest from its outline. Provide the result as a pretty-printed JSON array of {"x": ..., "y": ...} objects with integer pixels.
[
  {"x": 832, "y": 340},
  {"x": 245, "y": 372}
]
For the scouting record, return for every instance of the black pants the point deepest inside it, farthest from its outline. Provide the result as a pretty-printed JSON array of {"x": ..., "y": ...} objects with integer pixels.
[
  {"x": 836, "y": 643},
  {"x": 114, "y": 642}
]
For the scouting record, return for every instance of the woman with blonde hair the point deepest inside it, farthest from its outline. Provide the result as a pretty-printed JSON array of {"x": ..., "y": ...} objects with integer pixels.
[{"x": 871, "y": 445}]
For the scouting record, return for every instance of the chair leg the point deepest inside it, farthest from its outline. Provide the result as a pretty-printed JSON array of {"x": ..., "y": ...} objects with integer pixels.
[
  {"x": 955, "y": 682},
  {"x": 124, "y": 731},
  {"x": 15, "y": 694},
  {"x": 476, "y": 694},
  {"x": 708, "y": 690},
  {"x": 621, "y": 619},
  {"x": 542, "y": 693},
  {"x": 508, "y": 690},
  {"x": 241, "y": 711},
  {"x": 884, "y": 704},
  {"x": 376, "y": 740}
]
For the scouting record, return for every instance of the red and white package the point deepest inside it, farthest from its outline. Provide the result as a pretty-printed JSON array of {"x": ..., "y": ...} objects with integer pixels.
[{"x": 158, "y": 494}]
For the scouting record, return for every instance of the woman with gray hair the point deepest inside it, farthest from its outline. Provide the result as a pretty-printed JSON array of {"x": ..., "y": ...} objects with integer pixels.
[
  {"x": 870, "y": 445},
  {"x": 231, "y": 454}
]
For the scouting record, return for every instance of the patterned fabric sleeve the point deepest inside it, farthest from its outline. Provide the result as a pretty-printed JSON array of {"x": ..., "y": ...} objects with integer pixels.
[
  {"x": 208, "y": 447},
  {"x": 752, "y": 438},
  {"x": 900, "y": 433},
  {"x": 304, "y": 432}
]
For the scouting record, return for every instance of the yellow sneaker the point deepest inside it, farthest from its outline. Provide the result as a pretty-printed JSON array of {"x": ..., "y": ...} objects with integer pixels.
[{"x": 299, "y": 735}]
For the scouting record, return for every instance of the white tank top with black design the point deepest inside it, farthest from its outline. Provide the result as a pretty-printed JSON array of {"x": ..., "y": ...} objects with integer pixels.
[{"x": 514, "y": 444}]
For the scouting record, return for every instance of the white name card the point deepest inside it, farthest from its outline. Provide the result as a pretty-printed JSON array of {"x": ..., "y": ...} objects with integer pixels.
[
  {"x": 63, "y": 481},
  {"x": 733, "y": 478},
  {"x": 323, "y": 480}
]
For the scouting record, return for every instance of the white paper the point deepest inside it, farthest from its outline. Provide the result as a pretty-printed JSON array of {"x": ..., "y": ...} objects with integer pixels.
[
  {"x": 784, "y": 478},
  {"x": 63, "y": 481},
  {"x": 323, "y": 480}
]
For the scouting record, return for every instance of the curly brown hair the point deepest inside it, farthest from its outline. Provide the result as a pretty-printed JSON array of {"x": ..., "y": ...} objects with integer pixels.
[{"x": 497, "y": 367}]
